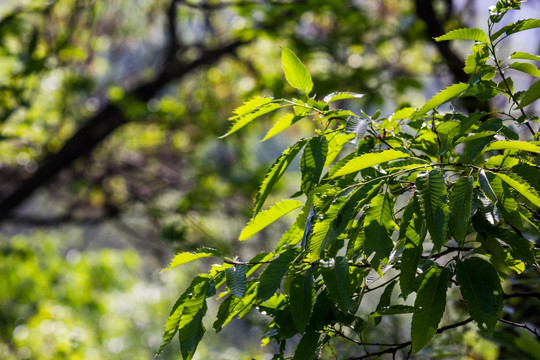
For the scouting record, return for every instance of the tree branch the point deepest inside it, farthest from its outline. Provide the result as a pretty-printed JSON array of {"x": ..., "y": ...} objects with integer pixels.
[
  {"x": 534, "y": 331},
  {"x": 105, "y": 122}
]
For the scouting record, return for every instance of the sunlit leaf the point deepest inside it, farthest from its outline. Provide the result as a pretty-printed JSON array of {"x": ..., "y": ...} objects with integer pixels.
[
  {"x": 445, "y": 95},
  {"x": 526, "y": 68},
  {"x": 267, "y": 217},
  {"x": 531, "y": 95},
  {"x": 295, "y": 72},
  {"x": 464, "y": 34},
  {"x": 186, "y": 257},
  {"x": 246, "y": 119},
  {"x": 282, "y": 124},
  {"x": 368, "y": 160}
]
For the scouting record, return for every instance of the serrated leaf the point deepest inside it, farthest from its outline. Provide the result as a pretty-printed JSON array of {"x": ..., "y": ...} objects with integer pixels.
[
  {"x": 513, "y": 145},
  {"x": 526, "y": 68},
  {"x": 529, "y": 173},
  {"x": 270, "y": 278},
  {"x": 431, "y": 190},
  {"x": 186, "y": 257},
  {"x": 464, "y": 34},
  {"x": 301, "y": 297},
  {"x": 368, "y": 160},
  {"x": 404, "y": 113},
  {"x": 521, "y": 187},
  {"x": 223, "y": 312},
  {"x": 282, "y": 124},
  {"x": 336, "y": 279},
  {"x": 307, "y": 346},
  {"x": 246, "y": 119},
  {"x": 336, "y": 142},
  {"x": 481, "y": 289},
  {"x": 460, "y": 205},
  {"x": 357, "y": 126},
  {"x": 531, "y": 95},
  {"x": 250, "y": 105},
  {"x": 274, "y": 174},
  {"x": 236, "y": 279},
  {"x": 392, "y": 310},
  {"x": 336, "y": 96},
  {"x": 312, "y": 162},
  {"x": 378, "y": 226},
  {"x": 518, "y": 26},
  {"x": 524, "y": 56},
  {"x": 241, "y": 307},
  {"x": 385, "y": 299},
  {"x": 504, "y": 200},
  {"x": 429, "y": 306},
  {"x": 191, "y": 334},
  {"x": 267, "y": 217},
  {"x": 443, "y": 96},
  {"x": 486, "y": 187},
  {"x": 295, "y": 72}
]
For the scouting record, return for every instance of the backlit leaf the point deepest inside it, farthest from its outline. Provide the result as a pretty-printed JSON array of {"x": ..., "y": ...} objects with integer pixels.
[
  {"x": 336, "y": 96},
  {"x": 368, "y": 160},
  {"x": 246, "y": 119},
  {"x": 445, "y": 95},
  {"x": 267, "y": 217},
  {"x": 526, "y": 68},
  {"x": 531, "y": 95},
  {"x": 282, "y": 124},
  {"x": 236, "y": 279},
  {"x": 460, "y": 208},
  {"x": 513, "y": 145},
  {"x": 295, "y": 72},
  {"x": 464, "y": 34},
  {"x": 186, "y": 256}
]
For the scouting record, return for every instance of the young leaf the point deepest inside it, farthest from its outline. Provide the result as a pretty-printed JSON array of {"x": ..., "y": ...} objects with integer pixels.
[
  {"x": 526, "y": 68},
  {"x": 267, "y": 217},
  {"x": 531, "y": 95},
  {"x": 524, "y": 56},
  {"x": 307, "y": 346},
  {"x": 431, "y": 189},
  {"x": 518, "y": 26},
  {"x": 249, "y": 106},
  {"x": 270, "y": 278},
  {"x": 357, "y": 126},
  {"x": 429, "y": 306},
  {"x": 236, "y": 279},
  {"x": 312, "y": 162},
  {"x": 368, "y": 160},
  {"x": 464, "y": 34},
  {"x": 513, "y": 145},
  {"x": 295, "y": 72},
  {"x": 186, "y": 257},
  {"x": 336, "y": 279},
  {"x": 282, "y": 124},
  {"x": 335, "y": 96},
  {"x": 274, "y": 173},
  {"x": 460, "y": 208},
  {"x": 481, "y": 289},
  {"x": 246, "y": 119},
  {"x": 302, "y": 299},
  {"x": 445, "y": 95}
]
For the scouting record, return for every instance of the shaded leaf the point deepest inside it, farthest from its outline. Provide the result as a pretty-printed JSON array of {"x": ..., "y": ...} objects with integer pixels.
[
  {"x": 531, "y": 95},
  {"x": 236, "y": 279},
  {"x": 270, "y": 278},
  {"x": 357, "y": 126},
  {"x": 481, "y": 289},
  {"x": 521, "y": 186},
  {"x": 336, "y": 278},
  {"x": 460, "y": 205},
  {"x": 301, "y": 297},
  {"x": 307, "y": 346},
  {"x": 429, "y": 306},
  {"x": 384, "y": 301},
  {"x": 312, "y": 162},
  {"x": 379, "y": 224}
]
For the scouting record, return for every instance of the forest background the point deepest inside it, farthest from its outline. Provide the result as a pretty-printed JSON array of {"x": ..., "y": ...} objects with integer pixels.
[{"x": 110, "y": 161}]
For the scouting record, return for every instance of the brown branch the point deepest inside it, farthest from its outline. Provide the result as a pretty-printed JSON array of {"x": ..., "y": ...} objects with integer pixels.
[
  {"x": 105, "y": 122},
  {"x": 522, "y": 295}
]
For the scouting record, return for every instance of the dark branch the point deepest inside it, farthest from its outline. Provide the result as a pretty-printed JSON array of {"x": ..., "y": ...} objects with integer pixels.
[
  {"x": 523, "y": 326},
  {"x": 105, "y": 122},
  {"x": 522, "y": 295}
]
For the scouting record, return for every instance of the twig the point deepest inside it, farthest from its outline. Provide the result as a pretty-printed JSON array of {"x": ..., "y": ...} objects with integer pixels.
[
  {"x": 524, "y": 326},
  {"x": 522, "y": 295}
]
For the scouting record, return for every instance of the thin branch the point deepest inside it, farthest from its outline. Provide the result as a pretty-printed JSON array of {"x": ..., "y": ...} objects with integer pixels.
[
  {"x": 383, "y": 284},
  {"x": 522, "y": 295},
  {"x": 533, "y": 331}
]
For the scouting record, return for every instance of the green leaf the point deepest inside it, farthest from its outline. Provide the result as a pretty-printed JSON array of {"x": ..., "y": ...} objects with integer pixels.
[
  {"x": 301, "y": 296},
  {"x": 246, "y": 119},
  {"x": 431, "y": 189},
  {"x": 531, "y": 95},
  {"x": 307, "y": 346},
  {"x": 404, "y": 113},
  {"x": 191, "y": 334},
  {"x": 518, "y": 26},
  {"x": 513, "y": 145},
  {"x": 336, "y": 142},
  {"x": 270, "y": 278},
  {"x": 236, "y": 279},
  {"x": 413, "y": 231},
  {"x": 224, "y": 310},
  {"x": 249, "y": 106},
  {"x": 295, "y": 72},
  {"x": 312, "y": 162},
  {"x": 357, "y": 126},
  {"x": 267, "y": 217},
  {"x": 486, "y": 186},
  {"x": 504, "y": 200},
  {"x": 282, "y": 124},
  {"x": 384, "y": 301},
  {"x": 186, "y": 257},
  {"x": 429, "y": 306},
  {"x": 526, "y": 68},
  {"x": 368, "y": 160},
  {"x": 336, "y": 96},
  {"x": 392, "y": 310},
  {"x": 521, "y": 187},
  {"x": 274, "y": 174},
  {"x": 445, "y": 95},
  {"x": 464, "y": 34},
  {"x": 460, "y": 208},
  {"x": 524, "y": 56},
  {"x": 481, "y": 289},
  {"x": 335, "y": 274},
  {"x": 379, "y": 224}
]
